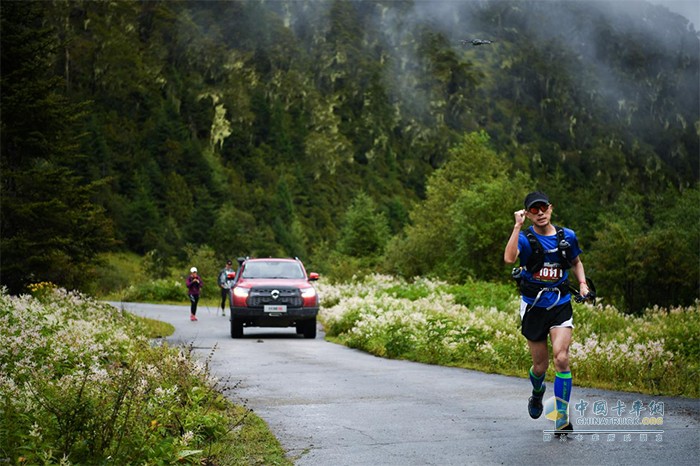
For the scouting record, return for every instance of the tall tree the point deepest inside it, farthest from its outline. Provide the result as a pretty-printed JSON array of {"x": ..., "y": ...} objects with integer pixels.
[
  {"x": 50, "y": 229},
  {"x": 429, "y": 245},
  {"x": 365, "y": 231}
]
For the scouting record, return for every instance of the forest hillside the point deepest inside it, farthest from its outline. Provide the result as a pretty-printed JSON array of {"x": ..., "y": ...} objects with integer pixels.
[{"x": 396, "y": 136}]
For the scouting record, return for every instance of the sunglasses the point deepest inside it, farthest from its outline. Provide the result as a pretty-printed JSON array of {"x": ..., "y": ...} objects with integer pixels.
[{"x": 538, "y": 208}]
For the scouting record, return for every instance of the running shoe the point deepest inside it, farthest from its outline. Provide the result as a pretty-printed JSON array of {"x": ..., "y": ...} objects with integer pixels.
[{"x": 534, "y": 404}]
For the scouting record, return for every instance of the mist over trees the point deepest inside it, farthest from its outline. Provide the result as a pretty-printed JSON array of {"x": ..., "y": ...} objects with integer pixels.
[{"x": 267, "y": 128}]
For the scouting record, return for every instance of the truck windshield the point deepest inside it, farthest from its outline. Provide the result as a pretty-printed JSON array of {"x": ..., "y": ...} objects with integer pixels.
[{"x": 272, "y": 269}]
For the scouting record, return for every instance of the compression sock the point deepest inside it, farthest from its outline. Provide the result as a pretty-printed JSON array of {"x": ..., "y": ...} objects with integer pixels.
[
  {"x": 537, "y": 381},
  {"x": 562, "y": 391}
]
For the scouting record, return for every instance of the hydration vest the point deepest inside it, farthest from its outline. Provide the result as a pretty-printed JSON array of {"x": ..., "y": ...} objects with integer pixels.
[{"x": 536, "y": 261}]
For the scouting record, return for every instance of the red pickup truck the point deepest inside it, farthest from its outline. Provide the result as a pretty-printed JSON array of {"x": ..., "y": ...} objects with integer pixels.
[{"x": 274, "y": 293}]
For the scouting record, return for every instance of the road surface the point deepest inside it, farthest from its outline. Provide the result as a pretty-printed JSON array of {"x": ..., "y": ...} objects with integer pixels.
[{"x": 331, "y": 405}]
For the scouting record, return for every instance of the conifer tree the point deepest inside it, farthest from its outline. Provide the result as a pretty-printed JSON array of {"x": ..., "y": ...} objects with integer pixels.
[{"x": 50, "y": 229}]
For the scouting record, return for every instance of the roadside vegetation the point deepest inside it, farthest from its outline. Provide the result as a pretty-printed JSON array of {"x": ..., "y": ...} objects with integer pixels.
[
  {"x": 476, "y": 326},
  {"x": 81, "y": 382}
]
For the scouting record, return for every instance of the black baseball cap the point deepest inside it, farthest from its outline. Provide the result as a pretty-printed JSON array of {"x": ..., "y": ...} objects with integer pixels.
[
  {"x": 535, "y": 197},
  {"x": 228, "y": 262}
]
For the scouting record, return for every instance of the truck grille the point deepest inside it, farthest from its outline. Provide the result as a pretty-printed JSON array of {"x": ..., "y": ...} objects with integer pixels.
[{"x": 259, "y": 297}]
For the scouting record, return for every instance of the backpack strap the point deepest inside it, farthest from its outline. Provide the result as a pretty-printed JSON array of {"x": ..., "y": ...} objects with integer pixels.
[
  {"x": 536, "y": 259},
  {"x": 563, "y": 249},
  {"x": 532, "y": 290}
]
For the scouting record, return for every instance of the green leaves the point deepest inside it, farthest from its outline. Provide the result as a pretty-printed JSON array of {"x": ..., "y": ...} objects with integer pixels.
[
  {"x": 365, "y": 231},
  {"x": 459, "y": 230},
  {"x": 647, "y": 253},
  {"x": 485, "y": 216}
]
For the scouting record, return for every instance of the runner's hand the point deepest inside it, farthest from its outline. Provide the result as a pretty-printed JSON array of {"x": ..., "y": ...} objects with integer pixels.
[
  {"x": 519, "y": 217},
  {"x": 583, "y": 290},
  {"x": 584, "y": 293}
]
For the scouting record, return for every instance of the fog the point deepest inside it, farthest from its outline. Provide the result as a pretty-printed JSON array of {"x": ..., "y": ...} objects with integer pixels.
[
  {"x": 581, "y": 29},
  {"x": 690, "y": 9},
  {"x": 629, "y": 53}
]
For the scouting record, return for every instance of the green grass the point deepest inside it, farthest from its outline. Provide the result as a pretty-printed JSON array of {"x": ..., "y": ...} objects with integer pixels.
[
  {"x": 151, "y": 328},
  {"x": 118, "y": 271},
  {"x": 476, "y": 326}
]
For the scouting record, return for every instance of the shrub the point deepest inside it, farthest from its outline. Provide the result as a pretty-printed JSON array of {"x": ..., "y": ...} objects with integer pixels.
[
  {"x": 476, "y": 293},
  {"x": 115, "y": 272},
  {"x": 79, "y": 385},
  {"x": 161, "y": 290}
]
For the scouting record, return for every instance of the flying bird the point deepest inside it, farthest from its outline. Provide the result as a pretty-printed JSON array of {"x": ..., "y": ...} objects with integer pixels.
[{"x": 476, "y": 42}]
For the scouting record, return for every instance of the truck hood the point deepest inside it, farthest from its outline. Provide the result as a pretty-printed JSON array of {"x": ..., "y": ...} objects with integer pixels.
[{"x": 272, "y": 282}]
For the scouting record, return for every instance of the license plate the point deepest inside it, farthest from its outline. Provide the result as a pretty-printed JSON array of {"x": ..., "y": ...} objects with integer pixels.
[{"x": 275, "y": 308}]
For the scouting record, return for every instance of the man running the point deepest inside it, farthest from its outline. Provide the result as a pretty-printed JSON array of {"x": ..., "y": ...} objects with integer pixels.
[{"x": 546, "y": 253}]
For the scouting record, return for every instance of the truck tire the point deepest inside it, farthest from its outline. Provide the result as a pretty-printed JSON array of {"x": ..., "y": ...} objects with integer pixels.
[
  {"x": 309, "y": 328},
  {"x": 236, "y": 328}
]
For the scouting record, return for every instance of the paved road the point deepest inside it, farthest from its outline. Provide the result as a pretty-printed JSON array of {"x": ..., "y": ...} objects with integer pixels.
[{"x": 331, "y": 405}]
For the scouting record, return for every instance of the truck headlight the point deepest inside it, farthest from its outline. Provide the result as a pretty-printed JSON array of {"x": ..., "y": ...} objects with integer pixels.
[{"x": 241, "y": 292}]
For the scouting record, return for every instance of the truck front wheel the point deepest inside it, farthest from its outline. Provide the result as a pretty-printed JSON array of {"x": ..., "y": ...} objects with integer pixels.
[{"x": 236, "y": 328}]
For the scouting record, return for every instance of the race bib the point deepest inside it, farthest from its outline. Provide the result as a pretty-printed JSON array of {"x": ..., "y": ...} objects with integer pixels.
[{"x": 549, "y": 273}]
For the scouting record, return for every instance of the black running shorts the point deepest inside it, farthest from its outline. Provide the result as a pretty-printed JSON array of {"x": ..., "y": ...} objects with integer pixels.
[{"x": 537, "y": 321}]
